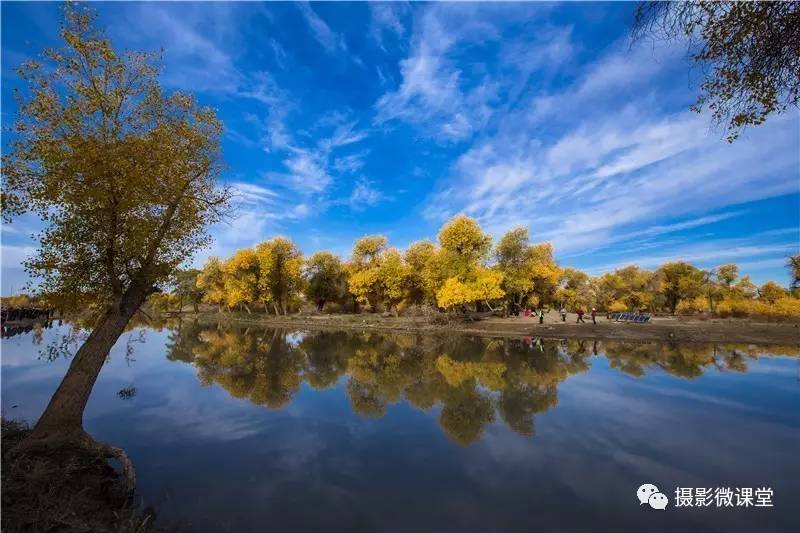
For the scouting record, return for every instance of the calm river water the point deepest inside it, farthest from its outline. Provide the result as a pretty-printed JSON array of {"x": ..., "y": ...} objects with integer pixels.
[{"x": 237, "y": 429}]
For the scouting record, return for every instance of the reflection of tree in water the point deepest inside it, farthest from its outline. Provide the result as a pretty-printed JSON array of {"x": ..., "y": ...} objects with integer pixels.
[
  {"x": 257, "y": 365},
  {"x": 326, "y": 357},
  {"x": 182, "y": 341},
  {"x": 383, "y": 366},
  {"x": 520, "y": 402},
  {"x": 465, "y": 413},
  {"x": 684, "y": 360},
  {"x": 473, "y": 380},
  {"x": 366, "y": 399},
  {"x": 534, "y": 371}
]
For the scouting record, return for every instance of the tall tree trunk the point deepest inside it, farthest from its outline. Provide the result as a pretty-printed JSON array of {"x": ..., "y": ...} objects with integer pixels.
[{"x": 63, "y": 417}]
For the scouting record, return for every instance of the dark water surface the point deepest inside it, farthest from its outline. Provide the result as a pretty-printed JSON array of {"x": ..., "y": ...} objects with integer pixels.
[{"x": 235, "y": 429}]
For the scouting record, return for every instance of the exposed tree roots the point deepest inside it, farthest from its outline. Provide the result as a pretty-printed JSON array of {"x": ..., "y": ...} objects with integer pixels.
[{"x": 66, "y": 484}]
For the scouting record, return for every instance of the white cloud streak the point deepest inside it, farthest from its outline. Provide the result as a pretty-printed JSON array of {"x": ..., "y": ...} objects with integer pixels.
[
  {"x": 594, "y": 164},
  {"x": 331, "y": 41}
]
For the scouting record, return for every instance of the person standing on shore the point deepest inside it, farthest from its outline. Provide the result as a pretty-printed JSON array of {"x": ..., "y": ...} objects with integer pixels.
[
  {"x": 563, "y": 314},
  {"x": 594, "y": 315},
  {"x": 541, "y": 315},
  {"x": 580, "y": 316}
]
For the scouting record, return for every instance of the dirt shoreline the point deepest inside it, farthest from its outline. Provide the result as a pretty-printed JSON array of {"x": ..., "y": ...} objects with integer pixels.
[{"x": 671, "y": 329}]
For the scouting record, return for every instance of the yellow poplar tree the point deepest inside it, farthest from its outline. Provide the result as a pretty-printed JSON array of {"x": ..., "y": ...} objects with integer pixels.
[
  {"x": 771, "y": 292},
  {"x": 393, "y": 276},
  {"x": 211, "y": 281},
  {"x": 484, "y": 285},
  {"x": 418, "y": 257},
  {"x": 526, "y": 268},
  {"x": 363, "y": 268},
  {"x": 124, "y": 177},
  {"x": 464, "y": 248},
  {"x": 242, "y": 279},
  {"x": 465, "y": 245},
  {"x": 281, "y": 264}
]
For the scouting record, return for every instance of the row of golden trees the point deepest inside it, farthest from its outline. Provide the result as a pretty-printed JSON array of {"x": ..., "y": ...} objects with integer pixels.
[
  {"x": 474, "y": 381},
  {"x": 464, "y": 271}
]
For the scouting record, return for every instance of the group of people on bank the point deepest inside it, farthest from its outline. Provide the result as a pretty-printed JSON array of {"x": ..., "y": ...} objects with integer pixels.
[{"x": 563, "y": 312}]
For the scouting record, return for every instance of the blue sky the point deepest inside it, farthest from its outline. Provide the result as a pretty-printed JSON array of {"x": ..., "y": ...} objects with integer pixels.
[{"x": 348, "y": 119}]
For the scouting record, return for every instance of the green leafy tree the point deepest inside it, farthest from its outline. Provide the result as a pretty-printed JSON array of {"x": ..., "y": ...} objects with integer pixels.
[
  {"x": 326, "y": 279},
  {"x": 187, "y": 290},
  {"x": 526, "y": 268},
  {"x": 576, "y": 290},
  {"x": 680, "y": 281},
  {"x": 627, "y": 288}
]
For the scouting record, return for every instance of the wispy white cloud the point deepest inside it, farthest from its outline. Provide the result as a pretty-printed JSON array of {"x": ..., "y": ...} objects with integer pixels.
[
  {"x": 344, "y": 133},
  {"x": 251, "y": 193},
  {"x": 386, "y": 18},
  {"x": 432, "y": 94},
  {"x": 257, "y": 211},
  {"x": 307, "y": 172},
  {"x": 312, "y": 160},
  {"x": 646, "y": 238},
  {"x": 598, "y": 164},
  {"x": 450, "y": 100},
  {"x": 261, "y": 86},
  {"x": 195, "y": 60},
  {"x": 331, "y": 41},
  {"x": 750, "y": 253},
  {"x": 364, "y": 194},
  {"x": 350, "y": 163},
  {"x": 279, "y": 52}
]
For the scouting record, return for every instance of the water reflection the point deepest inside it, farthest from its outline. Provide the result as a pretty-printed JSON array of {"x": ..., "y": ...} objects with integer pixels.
[
  {"x": 472, "y": 380},
  {"x": 474, "y": 434},
  {"x": 7, "y": 331}
]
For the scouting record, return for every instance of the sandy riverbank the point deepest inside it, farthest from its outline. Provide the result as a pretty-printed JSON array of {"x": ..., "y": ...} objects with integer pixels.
[{"x": 678, "y": 329}]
